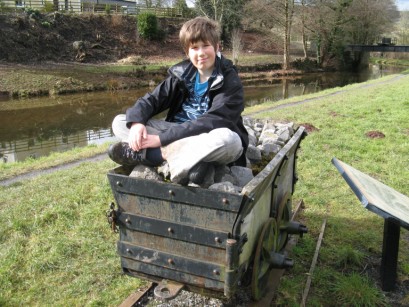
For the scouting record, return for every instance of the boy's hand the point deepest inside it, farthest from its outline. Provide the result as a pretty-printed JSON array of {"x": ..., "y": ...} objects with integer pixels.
[
  {"x": 151, "y": 141},
  {"x": 140, "y": 139},
  {"x": 136, "y": 135}
]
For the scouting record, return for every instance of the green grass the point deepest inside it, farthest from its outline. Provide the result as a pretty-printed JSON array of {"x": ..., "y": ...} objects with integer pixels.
[
  {"x": 56, "y": 248},
  {"x": 353, "y": 235},
  {"x": 121, "y": 69},
  {"x": 250, "y": 59},
  {"x": 8, "y": 170},
  {"x": 355, "y": 290},
  {"x": 389, "y": 61}
]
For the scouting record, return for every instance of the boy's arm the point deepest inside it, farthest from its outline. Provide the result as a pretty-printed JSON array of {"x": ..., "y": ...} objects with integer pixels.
[
  {"x": 225, "y": 112},
  {"x": 151, "y": 104}
]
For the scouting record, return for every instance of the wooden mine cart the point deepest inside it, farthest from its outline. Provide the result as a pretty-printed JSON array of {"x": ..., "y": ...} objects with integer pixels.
[{"x": 207, "y": 240}]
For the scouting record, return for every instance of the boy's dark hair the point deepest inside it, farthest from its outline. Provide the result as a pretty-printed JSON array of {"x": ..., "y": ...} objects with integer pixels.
[{"x": 199, "y": 29}]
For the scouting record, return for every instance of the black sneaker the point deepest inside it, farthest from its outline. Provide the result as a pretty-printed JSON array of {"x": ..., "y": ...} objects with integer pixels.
[
  {"x": 122, "y": 154},
  {"x": 198, "y": 172}
]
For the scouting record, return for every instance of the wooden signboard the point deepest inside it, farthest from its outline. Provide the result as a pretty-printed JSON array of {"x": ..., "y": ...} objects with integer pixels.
[
  {"x": 374, "y": 195},
  {"x": 387, "y": 203}
]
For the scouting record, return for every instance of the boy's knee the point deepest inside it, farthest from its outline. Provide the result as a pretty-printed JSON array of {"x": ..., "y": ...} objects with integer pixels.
[
  {"x": 225, "y": 135},
  {"x": 226, "y": 138},
  {"x": 120, "y": 119},
  {"x": 119, "y": 126}
]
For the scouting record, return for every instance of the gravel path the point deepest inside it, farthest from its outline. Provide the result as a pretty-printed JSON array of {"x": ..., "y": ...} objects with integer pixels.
[{"x": 30, "y": 175}]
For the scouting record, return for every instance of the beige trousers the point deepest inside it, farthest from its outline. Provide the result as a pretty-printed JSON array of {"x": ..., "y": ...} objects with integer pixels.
[{"x": 221, "y": 146}]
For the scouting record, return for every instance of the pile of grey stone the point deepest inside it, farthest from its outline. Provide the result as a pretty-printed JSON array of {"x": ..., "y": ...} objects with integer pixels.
[{"x": 266, "y": 138}]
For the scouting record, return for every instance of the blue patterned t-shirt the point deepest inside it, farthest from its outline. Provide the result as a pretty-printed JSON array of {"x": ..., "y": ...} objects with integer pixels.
[{"x": 197, "y": 102}]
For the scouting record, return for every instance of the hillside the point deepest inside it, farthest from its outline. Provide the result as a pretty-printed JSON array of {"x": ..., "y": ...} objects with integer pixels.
[
  {"x": 100, "y": 38},
  {"x": 86, "y": 38}
]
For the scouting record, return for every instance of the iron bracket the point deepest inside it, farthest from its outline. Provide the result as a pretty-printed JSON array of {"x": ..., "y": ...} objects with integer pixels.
[
  {"x": 111, "y": 215},
  {"x": 167, "y": 290}
]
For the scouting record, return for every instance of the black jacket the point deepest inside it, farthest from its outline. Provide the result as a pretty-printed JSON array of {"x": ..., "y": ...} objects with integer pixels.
[{"x": 225, "y": 106}]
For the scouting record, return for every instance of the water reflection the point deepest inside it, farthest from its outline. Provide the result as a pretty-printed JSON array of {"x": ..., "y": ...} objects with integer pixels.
[
  {"x": 36, "y": 127},
  {"x": 19, "y": 150}
]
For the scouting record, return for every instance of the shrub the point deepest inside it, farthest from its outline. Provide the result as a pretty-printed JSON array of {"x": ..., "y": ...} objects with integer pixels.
[
  {"x": 108, "y": 9},
  {"x": 2, "y": 6},
  {"x": 182, "y": 7},
  {"x": 148, "y": 26},
  {"x": 49, "y": 7},
  {"x": 33, "y": 13},
  {"x": 46, "y": 24},
  {"x": 305, "y": 64}
]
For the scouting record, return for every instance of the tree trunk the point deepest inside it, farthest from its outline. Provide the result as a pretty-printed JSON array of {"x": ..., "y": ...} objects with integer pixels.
[
  {"x": 288, "y": 11},
  {"x": 304, "y": 40},
  {"x": 286, "y": 43}
]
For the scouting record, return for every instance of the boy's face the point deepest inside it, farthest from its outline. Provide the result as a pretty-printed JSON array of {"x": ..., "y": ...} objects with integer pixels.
[{"x": 203, "y": 56}]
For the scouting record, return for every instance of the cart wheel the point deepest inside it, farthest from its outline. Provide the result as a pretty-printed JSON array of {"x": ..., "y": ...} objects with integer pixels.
[
  {"x": 282, "y": 236},
  {"x": 261, "y": 266}
]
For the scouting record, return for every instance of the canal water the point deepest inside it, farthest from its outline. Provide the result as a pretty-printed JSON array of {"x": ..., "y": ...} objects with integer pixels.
[{"x": 36, "y": 127}]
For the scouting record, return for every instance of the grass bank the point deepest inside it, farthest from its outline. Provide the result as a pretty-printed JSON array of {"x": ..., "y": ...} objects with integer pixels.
[
  {"x": 348, "y": 263},
  {"x": 56, "y": 247},
  {"x": 50, "y": 79},
  {"x": 9, "y": 170},
  {"x": 389, "y": 61}
]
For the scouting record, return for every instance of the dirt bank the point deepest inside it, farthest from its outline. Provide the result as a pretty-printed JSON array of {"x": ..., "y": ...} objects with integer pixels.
[
  {"x": 54, "y": 53},
  {"x": 86, "y": 38},
  {"x": 45, "y": 54},
  {"x": 91, "y": 38}
]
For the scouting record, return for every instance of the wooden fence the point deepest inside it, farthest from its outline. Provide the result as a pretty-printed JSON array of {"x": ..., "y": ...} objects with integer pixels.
[{"x": 87, "y": 6}]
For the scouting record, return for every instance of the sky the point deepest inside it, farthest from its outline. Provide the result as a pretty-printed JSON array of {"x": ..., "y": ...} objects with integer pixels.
[{"x": 403, "y": 5}]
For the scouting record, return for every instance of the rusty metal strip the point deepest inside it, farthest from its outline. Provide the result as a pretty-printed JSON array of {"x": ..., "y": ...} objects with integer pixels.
[
  {"x": 175, "y": 247},
  {"x": 175, "y": 231},
  {"x": 174, "y": 193},
  {"x": 136, "y": 296},
  {"x": 180, "y": 213},
  {"x": 136, "y": 268},
  {"x": 160, "y": 259}
]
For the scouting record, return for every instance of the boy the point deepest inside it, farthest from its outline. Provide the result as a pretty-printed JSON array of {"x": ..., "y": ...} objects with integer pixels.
[{"x": 204, "y": 99}]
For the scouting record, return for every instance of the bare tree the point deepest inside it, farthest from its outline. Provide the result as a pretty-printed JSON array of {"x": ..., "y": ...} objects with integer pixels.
[
  {"x": 329, "y": 24},
  {"x": 227, "y": 12},
  {"x": 288, "y": 19},
  {"x": 303, "y": 29},
  {"x": 369, "y": 19},
  {"x": 333, "y": 24},
  {"x": 277, "y": 17},
  {"x": 237, "y": 45},
  {"x": 402, "y": 28},
  {"x": 211, "y": 8}
]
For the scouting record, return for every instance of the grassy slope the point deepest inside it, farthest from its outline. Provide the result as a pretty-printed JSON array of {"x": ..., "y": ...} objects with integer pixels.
[
  {"x": 353, "y": 236},
  {"x": 57, "y": 249}
]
